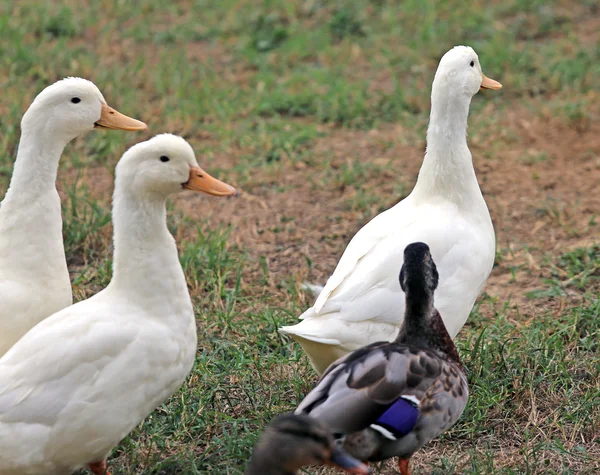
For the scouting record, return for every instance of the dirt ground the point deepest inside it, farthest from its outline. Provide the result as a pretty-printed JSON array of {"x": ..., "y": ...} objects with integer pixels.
[
  {"x": 541, "y": 187},
  {"x": 538, "y": 207}
]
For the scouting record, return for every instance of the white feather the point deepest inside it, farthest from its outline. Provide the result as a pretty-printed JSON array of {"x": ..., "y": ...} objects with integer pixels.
[
  {"x": 362, "y": 301},
  {"x": 83, "y": 378},
  {"x": 384, "y": 432},
  {"x": 34, "y": 280}
]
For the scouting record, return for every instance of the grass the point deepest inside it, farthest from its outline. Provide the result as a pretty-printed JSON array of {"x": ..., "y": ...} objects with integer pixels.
[{"x": 317, "y": 110}]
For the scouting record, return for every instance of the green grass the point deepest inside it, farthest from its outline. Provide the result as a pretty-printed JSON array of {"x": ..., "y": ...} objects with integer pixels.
[{"x": 323, "y": 105}]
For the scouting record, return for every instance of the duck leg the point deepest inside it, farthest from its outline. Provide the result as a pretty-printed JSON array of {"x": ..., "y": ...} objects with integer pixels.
[
  {"x": 403, "y": 466},
  {"x": 99, "y": 468}
]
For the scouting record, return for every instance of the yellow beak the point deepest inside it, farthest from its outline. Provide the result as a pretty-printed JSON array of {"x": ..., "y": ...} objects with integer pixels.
[
  {"x": 487, "y": 83},
  {"x": 199, "y": 180},
  {"x": 112, "y": 119}
]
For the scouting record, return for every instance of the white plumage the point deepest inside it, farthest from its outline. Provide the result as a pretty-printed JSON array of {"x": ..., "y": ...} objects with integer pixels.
[
  {"x": 362, "y": 302},
  {"x": 83, "y": 378},
  {"x": 34, "y": 280}
]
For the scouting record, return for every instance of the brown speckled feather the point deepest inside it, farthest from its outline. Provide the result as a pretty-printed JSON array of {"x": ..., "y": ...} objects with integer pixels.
[{"x": 355, "y": 392}]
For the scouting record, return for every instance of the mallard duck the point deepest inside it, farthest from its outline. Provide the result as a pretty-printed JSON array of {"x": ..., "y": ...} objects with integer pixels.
[
  {"x": 34, "y": 280},
  {"x": 291, "y": 442},
  {"x": 361, "y": 302},
  {"x": 390, "y": 399},
  {"x": 80, "y": 380}
]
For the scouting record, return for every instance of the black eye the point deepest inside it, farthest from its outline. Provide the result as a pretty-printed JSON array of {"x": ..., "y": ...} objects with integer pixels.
[
  {"x": 164, "y": 158},
  {"x": 76, "y": 100},
  {"x": 472, "y": 63}
]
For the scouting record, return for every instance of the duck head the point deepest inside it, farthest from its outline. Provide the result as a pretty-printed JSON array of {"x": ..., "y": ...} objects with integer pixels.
[
  {"x": 293, "y": 441},
  {"x": 459, "y": 70},
  {"x": 164, "y": 165},
  {"x": 71, "y": 107},
  {"x": 419, "y": 274}
]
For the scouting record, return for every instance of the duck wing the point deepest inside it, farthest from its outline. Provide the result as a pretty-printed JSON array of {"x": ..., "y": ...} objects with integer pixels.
[
  {"x": 357, "y": 390},
  {"x": 45, "y": 372},
  {"x": 364, "y": 285}
]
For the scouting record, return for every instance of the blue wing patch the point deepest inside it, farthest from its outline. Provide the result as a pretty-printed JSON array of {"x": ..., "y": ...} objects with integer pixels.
[{"x": 399, "y": 420}]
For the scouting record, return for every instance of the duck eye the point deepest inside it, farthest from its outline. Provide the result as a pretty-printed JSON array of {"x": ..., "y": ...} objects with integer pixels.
[
  {"x": 75, "y": 100},
  {"x": 472, "y": 63},
  {"x": 164, "y": 158}
]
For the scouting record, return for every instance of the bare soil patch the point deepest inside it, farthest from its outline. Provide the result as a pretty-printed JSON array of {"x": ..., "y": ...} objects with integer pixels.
[{"x": 540, "y": 186}]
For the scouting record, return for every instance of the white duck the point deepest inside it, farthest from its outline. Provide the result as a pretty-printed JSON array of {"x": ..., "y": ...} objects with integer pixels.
[
  {"x": 83, "y": 378},
  {"x": 34, "y": 281},
  {"x": 362, "y": 302}
]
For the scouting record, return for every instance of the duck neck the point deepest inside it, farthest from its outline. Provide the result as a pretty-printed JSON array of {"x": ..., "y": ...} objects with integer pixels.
[
  {"x": 30, "y": 214},
  {"x": 447, "y": 169},
  {"x": 423, "y": 326},
  {"x": 418, "y": 311},
  {"x": 35, "y": 170},
  {"x": 146, "y": 264}
]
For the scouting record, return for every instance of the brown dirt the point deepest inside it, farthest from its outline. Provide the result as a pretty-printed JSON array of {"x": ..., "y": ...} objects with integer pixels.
[{"x": 538, "y": 208}]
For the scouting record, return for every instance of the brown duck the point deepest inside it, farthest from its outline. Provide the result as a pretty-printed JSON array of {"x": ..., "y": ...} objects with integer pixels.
[{"x": 390, "y": 399}]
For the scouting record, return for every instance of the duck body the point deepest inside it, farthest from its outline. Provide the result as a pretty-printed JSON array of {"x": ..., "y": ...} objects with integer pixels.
[
  {"x": 361, "y": 302},
  {"x": 391, "y": 398},
  {"x": 34, "y": 279},
  {"x": 83, "y": 378},
  {"x": 364, "y": 310},
  {"x": 418, "y": 395}
]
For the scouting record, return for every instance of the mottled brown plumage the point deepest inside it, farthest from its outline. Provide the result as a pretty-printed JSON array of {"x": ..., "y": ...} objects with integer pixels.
[{"x": 390, "y": 399}]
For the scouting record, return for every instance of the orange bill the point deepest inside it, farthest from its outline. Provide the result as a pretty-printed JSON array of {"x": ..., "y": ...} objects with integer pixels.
[
  {"x": 199, "y": 180},
  {"x": 112, "y": 119},
  {"x": 488, "y": 83}
]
